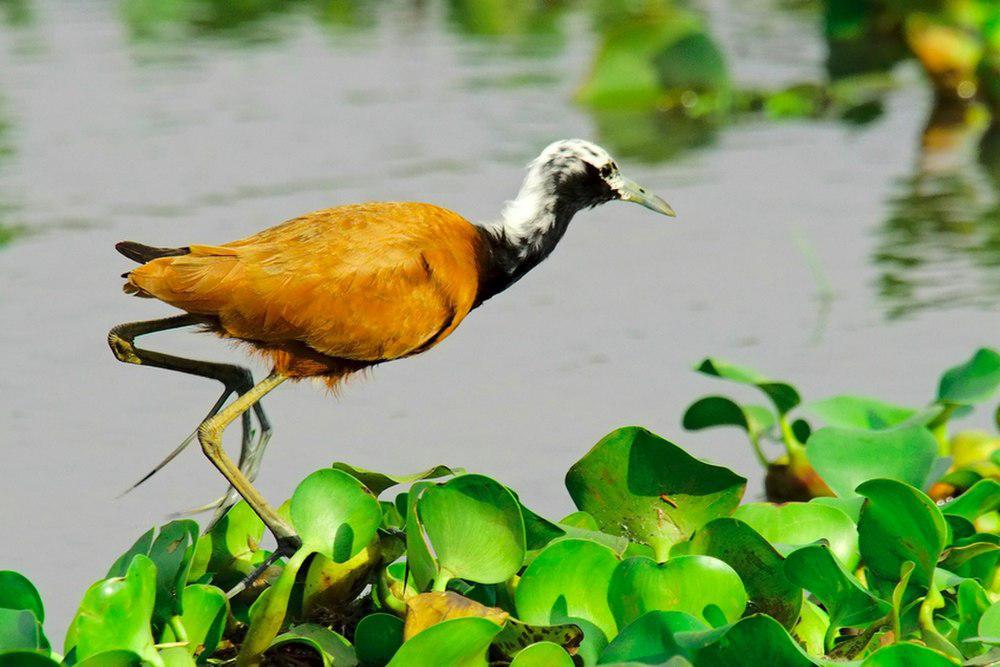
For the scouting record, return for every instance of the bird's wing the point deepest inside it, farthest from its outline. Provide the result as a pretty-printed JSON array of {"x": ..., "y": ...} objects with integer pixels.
[{"x": 367, "y": 282}]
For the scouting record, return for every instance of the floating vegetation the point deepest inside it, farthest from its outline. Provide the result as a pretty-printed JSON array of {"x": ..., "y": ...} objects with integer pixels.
[{"x": 660, "y": 564}]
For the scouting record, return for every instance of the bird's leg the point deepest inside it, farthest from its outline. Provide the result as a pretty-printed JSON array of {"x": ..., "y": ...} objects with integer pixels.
[
  {"x": 235, "y": 379},
  {"x": 210, "y": 436}
]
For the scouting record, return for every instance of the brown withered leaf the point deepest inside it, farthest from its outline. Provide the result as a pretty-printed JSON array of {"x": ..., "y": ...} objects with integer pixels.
[{"x": 427, "y": 609}]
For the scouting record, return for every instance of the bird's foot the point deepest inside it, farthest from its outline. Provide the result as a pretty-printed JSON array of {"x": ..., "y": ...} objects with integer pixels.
[
  {"x": 123, "y": 349},
  {"x": 287, "y": 546}
]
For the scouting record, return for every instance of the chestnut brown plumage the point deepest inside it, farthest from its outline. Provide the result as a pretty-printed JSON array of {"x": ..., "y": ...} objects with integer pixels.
[{"x": 339, "y": 290}]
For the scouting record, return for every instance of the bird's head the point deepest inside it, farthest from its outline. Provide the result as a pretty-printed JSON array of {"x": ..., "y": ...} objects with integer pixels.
[{"x": 579, "y": 174}]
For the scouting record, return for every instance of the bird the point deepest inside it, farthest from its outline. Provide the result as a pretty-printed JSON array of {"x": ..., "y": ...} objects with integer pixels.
[{"x": 340, "y": 290}]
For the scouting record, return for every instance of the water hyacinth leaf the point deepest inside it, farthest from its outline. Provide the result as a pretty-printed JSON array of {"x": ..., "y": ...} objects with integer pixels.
[
  {"x": 115, "y": 614},
  {"x": 474, "y": 526},
  {"x": 176, "y": 656},
  {"x": 972, "y": 604},
  {"x": 812, "y": 628},
  {"x": 267, "y": 614},
  {"x": 982, "y": 498},
  {"x": 19, "y": 630},
  {"x": 641, "y": 585},
  {"x": 334, "y": 514},
  {"x": 428, "y": 609},
  {"x": 650, "y": 638},
  {"x": 377, "y": 637},
  {"x": 462, "y": 642},
  {"x": 859, "y": 412},
  {"x": 331, "y": 648},
  {"x": 35, "y": 659},
  {"x": 712, "y": 411},
  {"x": 850, "y": 506},
  {"x": 518, "y": 635},
  {"x": 989, "y": 624},
  {"x": 815, "y": 569},
  {"x": 204, "y": 619},
  {"x": 906, "y": 654},
  {"x": 758, "y": 564},
  {"x": 330, "y": 585},
  {"x": 117, "y": 658},
  {"x": 974, "y": 381},
  {"x": 232, "y": 546},
  {"x": 17, "y": 592},
  {"x": 377, "y": 482},
  {"x": 754, "y": 640},
  {"x": 568, "y": 583},
  {"x": 845, "y": 458},
  {"x": 141, "y": 546},
  {"x": 783, "y": 395},
  {"x": 580, "y": 519},
  {"x": 637, "y": 484},
  {"x": 898, "y": 524},
  {"x": 542, "y": 654},
  {"x": 790, "y": 525}
]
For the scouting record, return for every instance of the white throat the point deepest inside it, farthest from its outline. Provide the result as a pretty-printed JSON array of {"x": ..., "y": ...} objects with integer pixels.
[{"x": 526, "y": 220}]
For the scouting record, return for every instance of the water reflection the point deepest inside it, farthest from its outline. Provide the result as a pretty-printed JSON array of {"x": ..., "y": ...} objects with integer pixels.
[{"x": 940, "y": 246}]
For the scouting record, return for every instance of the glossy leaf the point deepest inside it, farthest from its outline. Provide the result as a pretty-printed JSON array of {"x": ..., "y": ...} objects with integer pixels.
[
  {"x": 859, "y": 412},
  {"x": 462, "y": 642},
  {"x": 845, "y": 458},
  {"x": 335, "y": 514},
  {"x": 712, "y": 411},
  {"x": 754, "y": 640},
  {"x": 474, "y": 528},
  {"x": 974, "y": 381},
  {"x": 848, "y": 604},
  {"x": 641, "y": 585},
  {"x": 637, "y": 484},
  {"x": 19, "y": 630},
  {"x": 267, "y": 615},
  {"x": 331, "y": 585},
  {"x": 230, "y": 550},
  {"x": 790, "y": 525},
  {"x": 989, "y": 624},
  {"x": 907, "y": 655},
  {"x": 377, "y": 637},
  {"x": 115, "y": 614},
  {"x": 518, "y": 635},
  {"x": 568, "y": 583},
  {"x": 542, "y": 654},
  {"x": 17, "y": 592},
  {"x": 783, "y": 395},
  {"x": 331, "y": 648},
  {"x": 204, "y": 619},
  {"x": 811, "y": 629},
  {"x": 758, "y": 564},
  {"x": 898, "y": 524},
  {"x": 26, "y": 658},
  {"x": 377, "y": 482},
  {"x": 983, "y": 497},
  {"x": 650, "y": 639}
]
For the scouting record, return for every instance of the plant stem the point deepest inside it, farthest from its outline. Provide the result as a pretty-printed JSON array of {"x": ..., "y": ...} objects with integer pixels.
[
  {"x": 755, "y": 441},
  {"x": 180, "y": 632},
  {"x": 796, "y": 450},
  {"x": 441, "y": 581},
  {"x": 939, "y": 428}
]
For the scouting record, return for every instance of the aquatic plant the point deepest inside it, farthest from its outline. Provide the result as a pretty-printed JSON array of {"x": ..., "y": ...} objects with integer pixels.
[{"x": 660, "y": 564}]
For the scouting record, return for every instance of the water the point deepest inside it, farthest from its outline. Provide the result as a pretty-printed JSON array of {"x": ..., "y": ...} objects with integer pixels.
[{"x": 194, "y": 125}]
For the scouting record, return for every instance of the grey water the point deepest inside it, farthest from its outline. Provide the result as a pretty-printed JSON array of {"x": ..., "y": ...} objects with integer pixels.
[{"x": 842, "y": 258}]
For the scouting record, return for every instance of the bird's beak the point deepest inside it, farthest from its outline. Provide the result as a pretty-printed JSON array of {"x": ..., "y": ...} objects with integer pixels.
[{"x": 631, "y": 191}]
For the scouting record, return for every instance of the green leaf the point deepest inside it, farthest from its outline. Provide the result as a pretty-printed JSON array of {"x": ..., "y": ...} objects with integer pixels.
[
  {"x": 641, "y": 585},
  {"x": 473, "y": 526},
  {"x": 898, "y": 524},
  {"x": 712, "y": 411},
  {"x": 378, "y": 482},
  {"x": 783, "y": 395},
  {"x": 33, "y": 659},
  {"x": 335, "y": 514},
  {"x": 331, "y": 648},
  {"x": 19, "y": 630},
  {"x": 16, "y": 592},
  {"x": 542, "y": 654},
  {"x": 568, "y": 583},
  {"x": 851, "y": 506},
  {"x": 982, "y": 498},
  {"x": 811, "y": 630},
  {"x": 974, "y": 381},
  {"x": 231, "y": 547},
  {"x": 461, "y": 642},
  {"x": 268, "y": 612},
  {"x": 115, "y": 614},
  {"x": 650, "y": 639},
  {"x": 972, "y": 604},
  {"x": 754, "y": 640},
  {"x": 639, "y": 485},
  {"x": 377, "y": 637},
  {"x": 989, "y": 624},
  {"x": 859, "y": 412},
  {"x": 518, "y": 635},
  {"x": 176, "y": 656},
  {"x": 789, "y": 526},
  {"x": 204, "y": 619},
  {"x": 845, "y": 458},
  {"x": 849, "y": 605},
  {"x": 907, "y": 655},
  {"x": 758, "y": 564}
]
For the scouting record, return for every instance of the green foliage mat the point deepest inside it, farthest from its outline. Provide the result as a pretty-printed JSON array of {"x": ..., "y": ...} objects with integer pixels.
[{"x": 660, "y": 565}]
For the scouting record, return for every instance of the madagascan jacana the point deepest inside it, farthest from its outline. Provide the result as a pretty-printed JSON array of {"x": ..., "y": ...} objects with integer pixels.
[{"x": 336, "y": 291}]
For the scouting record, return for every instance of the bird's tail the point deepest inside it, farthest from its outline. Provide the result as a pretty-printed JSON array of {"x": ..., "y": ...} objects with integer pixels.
[{"x": 138, "y": 252}]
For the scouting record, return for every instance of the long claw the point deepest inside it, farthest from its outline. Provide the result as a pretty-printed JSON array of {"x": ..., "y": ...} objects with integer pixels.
[
  {"x": 159, "y": 466},
  {"x": 198, "y": 510}
]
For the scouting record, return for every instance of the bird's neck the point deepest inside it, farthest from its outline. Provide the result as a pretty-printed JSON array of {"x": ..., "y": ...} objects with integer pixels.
[{"x": 528, "y": 230}]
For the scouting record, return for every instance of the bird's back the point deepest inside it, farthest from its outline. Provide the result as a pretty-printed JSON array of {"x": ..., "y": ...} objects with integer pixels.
[{"x": 365, "y": 282}]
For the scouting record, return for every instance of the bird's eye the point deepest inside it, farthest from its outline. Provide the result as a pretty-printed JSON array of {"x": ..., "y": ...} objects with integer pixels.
[{"x": 607, "y": 169}]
